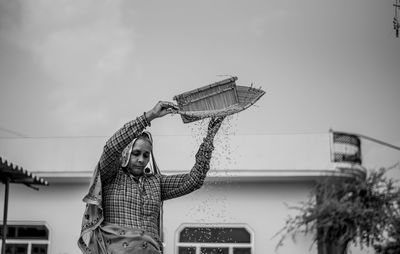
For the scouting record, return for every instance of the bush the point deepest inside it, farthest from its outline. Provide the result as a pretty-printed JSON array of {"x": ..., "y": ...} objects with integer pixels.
[
  {"x": 392, "y": 245},
  {"x": 339, "y": 211}
]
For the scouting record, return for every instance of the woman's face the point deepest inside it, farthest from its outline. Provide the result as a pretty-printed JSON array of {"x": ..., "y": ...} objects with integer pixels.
[{"x": 140, "y": 156}]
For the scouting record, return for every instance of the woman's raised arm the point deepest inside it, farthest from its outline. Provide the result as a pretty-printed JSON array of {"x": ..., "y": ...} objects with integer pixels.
[
  {"x": 109, "y": 162},
  {"x": 178, "y": 185}
]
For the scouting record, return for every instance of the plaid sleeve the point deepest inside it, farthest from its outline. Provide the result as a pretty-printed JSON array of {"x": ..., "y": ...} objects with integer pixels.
[
  {"x": 110, "y": 158},
  {"x": 174, "y": 186}
]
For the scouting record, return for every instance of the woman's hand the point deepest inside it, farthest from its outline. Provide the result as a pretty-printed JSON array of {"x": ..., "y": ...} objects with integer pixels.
[
  {"x": 161, "y": 109},
  {"x": 213, "y": 126},
  {"x": 203, "y": 155}
]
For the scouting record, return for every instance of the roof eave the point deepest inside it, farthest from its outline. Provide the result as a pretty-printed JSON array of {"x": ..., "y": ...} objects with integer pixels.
[{"x": 252, "y": 175}]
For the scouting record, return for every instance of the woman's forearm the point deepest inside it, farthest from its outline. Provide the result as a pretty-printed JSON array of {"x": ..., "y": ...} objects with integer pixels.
[{"x": 113, "y": 148}]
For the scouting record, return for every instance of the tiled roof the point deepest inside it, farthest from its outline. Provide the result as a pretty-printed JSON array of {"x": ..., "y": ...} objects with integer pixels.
[{"x": 17, "y": 174}]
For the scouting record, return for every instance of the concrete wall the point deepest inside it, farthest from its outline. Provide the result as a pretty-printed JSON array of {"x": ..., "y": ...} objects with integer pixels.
[
  {"x": 258, "y": 205},
  {"x": 58, "y": 205},
  {"x": 255, "y": 152}
]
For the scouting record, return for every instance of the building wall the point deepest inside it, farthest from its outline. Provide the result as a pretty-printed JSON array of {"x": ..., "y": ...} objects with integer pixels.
[
  {"x": 258, "y": 205},
  {"x": 256, "y": 152},
  {"x": 261, "y": 206},
  {"x": 58, "y": 205}
]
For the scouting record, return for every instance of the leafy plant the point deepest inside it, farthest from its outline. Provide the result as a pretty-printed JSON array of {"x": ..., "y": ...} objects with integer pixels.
[
  {"x": 343, "y": 210},
  {"x": 392, "y": 245}
]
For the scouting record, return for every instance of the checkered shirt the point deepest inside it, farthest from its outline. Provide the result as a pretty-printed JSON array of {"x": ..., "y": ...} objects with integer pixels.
[{"x": 132, "y": 202}]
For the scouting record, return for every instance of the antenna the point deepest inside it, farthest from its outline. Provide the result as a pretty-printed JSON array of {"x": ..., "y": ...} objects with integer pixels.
[{"x": 396, "y": 24}]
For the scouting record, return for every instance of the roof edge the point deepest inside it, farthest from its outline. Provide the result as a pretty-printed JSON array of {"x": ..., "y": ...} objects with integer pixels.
[{"x": 242, "y": 175}]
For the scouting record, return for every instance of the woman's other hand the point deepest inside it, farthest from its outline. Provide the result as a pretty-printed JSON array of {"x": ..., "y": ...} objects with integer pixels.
[
  {"x": 161, "y": 109},
  {"x": 214, "y": 125}
]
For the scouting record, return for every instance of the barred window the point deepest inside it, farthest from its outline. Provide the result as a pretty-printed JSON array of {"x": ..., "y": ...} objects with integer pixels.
[
  {"x": 26, "y": 239},
  {"x": 214, "y": 239},
  {"x": 346, "y": 148}
]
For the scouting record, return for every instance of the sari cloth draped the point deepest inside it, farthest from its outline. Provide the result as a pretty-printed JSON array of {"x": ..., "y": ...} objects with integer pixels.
[
  {"x": 116, "y": 239},
  {"x": 93, "y": 215}
]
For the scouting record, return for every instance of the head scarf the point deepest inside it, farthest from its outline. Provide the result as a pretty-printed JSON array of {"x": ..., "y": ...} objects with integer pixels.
[
  {"x": 126, "y": 155},
  {"x": 93, "y": 215}
]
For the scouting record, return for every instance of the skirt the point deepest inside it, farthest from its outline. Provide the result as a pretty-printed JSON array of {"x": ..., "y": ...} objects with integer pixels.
[{"x": 114, "y": 239}]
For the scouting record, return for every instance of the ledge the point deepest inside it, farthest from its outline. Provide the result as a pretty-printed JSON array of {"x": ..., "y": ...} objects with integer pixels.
[{"x": 248, "y": 175}]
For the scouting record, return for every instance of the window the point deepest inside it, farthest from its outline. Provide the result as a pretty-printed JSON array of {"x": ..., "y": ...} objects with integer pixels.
[
  {"x": 346, "y": 148},
  {"x": 214, "y": 239},
  {"x": 26, "y": 239}
]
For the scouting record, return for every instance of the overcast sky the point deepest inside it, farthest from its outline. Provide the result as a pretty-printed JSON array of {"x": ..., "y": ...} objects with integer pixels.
[{"x": 83, "y": 68}]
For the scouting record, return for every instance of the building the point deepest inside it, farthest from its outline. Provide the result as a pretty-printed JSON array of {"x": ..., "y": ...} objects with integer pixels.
[{"x": 242, "y": 204}]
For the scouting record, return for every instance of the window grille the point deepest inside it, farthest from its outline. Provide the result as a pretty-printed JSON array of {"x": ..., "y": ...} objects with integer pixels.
[
  {"x": 346, "y": 148},
  {"x": 214, "y": 239},
  {"x": 26, "y": 239}
]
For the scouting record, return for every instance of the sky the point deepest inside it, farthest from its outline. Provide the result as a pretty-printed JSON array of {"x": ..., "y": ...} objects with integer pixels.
[{"x": 83, "y": 68}]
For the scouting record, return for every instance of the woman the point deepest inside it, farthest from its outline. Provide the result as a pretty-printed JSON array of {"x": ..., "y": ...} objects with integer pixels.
[{"x": 124, "y": 203}]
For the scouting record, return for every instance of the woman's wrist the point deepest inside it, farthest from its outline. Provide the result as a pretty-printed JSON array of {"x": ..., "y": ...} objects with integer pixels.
[
  {"x": 209, "y": 138},
  {"x": 149, "y": 116}
]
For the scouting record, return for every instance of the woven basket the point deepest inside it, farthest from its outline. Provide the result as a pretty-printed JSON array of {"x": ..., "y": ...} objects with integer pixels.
[{"x": 217, "y": 99}]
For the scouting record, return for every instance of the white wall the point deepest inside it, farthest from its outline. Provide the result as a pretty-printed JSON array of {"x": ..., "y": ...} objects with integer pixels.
[
  {"x": 256, "y": 152},
  {"x": 261, "y": 206},
  {"x": 58, "y": 205}
]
